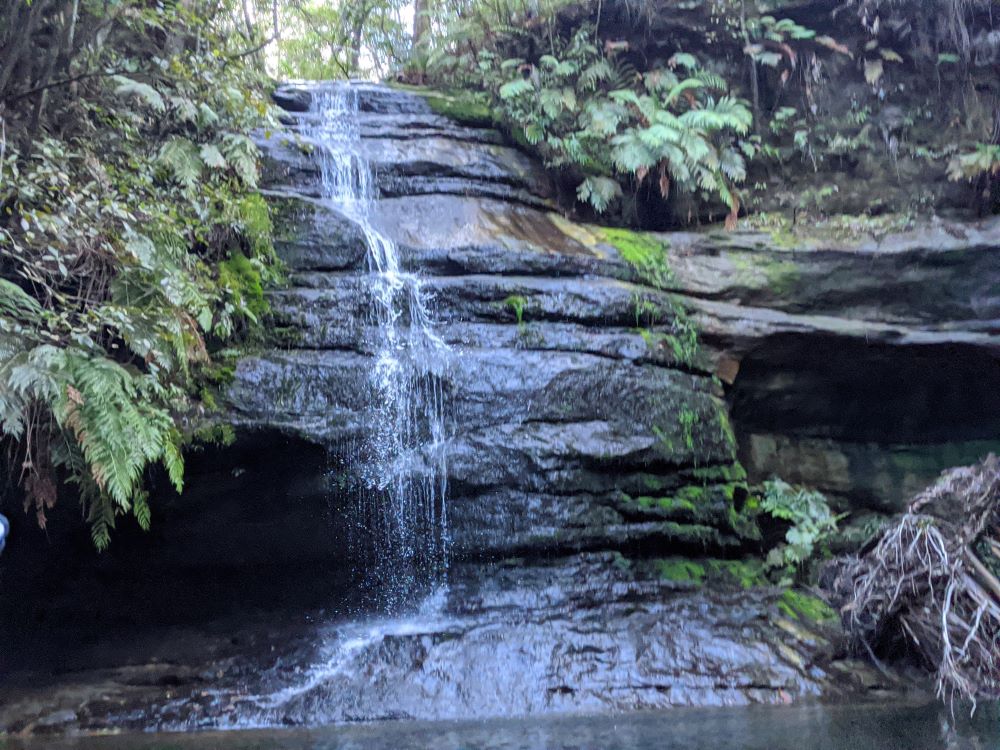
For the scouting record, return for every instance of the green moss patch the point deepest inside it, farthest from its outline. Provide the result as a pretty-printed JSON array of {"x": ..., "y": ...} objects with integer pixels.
[
  {"x": 680, "y": 570},
  {"x": 798, "y": 605},
  {"x": 743, "y": 574},
  {"x": 727, "y": 474},
  {"x": 243, "y": 280},
  {"x": 462, "y": 107},
  {"x": 643, "y": 251}
]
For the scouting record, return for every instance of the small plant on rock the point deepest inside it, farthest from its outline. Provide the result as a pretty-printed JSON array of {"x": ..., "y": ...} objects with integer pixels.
[{"x": 812, "y": 525}]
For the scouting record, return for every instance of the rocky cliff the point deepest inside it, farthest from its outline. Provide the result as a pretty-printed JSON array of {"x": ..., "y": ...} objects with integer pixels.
[{"x": 605, "y": 390}]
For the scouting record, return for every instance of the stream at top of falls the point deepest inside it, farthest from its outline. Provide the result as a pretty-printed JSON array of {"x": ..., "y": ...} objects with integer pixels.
[
  {"x": 400, "y": 527},
  {"x": 866, "y": 726}
]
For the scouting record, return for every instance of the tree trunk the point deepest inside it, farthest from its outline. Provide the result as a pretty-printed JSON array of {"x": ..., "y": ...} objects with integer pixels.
[
  {"x": 356, "y": 33},
  {"x": 421, "y": 22}
]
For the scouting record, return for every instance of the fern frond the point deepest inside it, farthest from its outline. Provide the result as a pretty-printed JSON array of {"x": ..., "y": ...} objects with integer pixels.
[
  {"x": 180, "y": 158},
  {"x": 686, "y": 85},
  {"x": 142, "y": 91}
]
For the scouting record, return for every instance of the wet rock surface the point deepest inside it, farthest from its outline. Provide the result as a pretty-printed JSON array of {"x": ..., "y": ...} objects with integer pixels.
[
  {"x": 555, "y": 397},
  {"x": 804, "y": 331},
  {"x": 588, "y": 633}
]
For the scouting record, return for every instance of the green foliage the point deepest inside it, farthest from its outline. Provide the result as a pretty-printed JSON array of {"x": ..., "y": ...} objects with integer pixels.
[
  {"x": 681, "y": 570},
  {"x": 321, "y": 40},
  {"x": 982, "y": 161},
  {"x": 744, "y": 574},
  {"x": 516, "y": 303},
  {"x": 241, "y": 277},
  {"x": 682, "y": 337},
  {"x": 643, "y": 251},
  {"x": 465, "y": 107},
  {"x": 133, "y": 242},
  {"x": 583, "y": 110},
  {"x": 213, "y": 433},
  {"x": 800, "y": 606},
  {"x": 812, "y": 525}
]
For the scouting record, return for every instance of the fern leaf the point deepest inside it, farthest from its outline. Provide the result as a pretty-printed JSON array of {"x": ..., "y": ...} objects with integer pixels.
[
  {"x": 206, "y": 115},
  {"x": 683, "y": 60},
  {"x": 185, "y": 109},
  {"x": 515, "y": 88},
  {"x": 242, "y": 154},
  {"x": 599, "y": 192},
  {"x": 140, "y": 508},
  {"x": 143, "y": 91},
  {"x": 102, "y": 521},
  {"x": 212, "y": 157},
  {"x": 548, "y": 61},
  {"x": 686, "y": 85},
  {"x": 18, "y": 304},
  {"x": 174, "y": 462},
  {"x": 181, "y": 159},
  {"x": 732, "y": 165}
]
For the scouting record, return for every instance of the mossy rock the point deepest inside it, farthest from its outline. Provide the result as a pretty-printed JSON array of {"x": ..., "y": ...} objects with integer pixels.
[
  {"x": 680, "y": 570},
  {"x": 717, "y": 505},
  {"x": 694, "y": 428},
  {"x": 462, "y": 106},
  {"x": 726, "y": 474},
  {"x": 744, "y": 574},
  {"x": 243, "y": 280},
  {"x": 798, "y": 605},
  {"x": 644, "y": 251}
]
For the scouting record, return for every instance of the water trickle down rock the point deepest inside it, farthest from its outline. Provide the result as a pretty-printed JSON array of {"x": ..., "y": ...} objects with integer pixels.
[
  {"x": 397, "y": 468},
  {"x": 585, "y": 443}
]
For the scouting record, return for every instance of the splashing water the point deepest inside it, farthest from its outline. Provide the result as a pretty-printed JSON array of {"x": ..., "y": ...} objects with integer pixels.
[{"x": 401, "y": 532}]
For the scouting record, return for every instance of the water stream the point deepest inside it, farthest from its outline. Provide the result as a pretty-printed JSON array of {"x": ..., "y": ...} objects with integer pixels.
[
  {"x": 401, "y": 527},
  {"x": 848, "y": 727}
]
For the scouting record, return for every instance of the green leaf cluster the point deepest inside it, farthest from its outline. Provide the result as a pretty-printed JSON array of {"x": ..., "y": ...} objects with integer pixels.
[
  {"x": 585, "y": 111},
  {"x": 812, "y": 524},
  {"x": 981, "y": 161}
]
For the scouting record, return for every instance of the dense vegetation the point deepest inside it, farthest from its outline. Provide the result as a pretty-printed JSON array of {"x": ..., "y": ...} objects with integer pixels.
[
  {"x": 837, "y": 92},
  {"x": 134, "y": 244},
  {"x": 136, "y": 250}
]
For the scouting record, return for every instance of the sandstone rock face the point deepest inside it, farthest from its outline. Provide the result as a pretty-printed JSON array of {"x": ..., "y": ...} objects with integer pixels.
[
  {"x": 560, "y": 407},
  {"x": 580, "y": 428},
  {"x": 861, "y": 367}
]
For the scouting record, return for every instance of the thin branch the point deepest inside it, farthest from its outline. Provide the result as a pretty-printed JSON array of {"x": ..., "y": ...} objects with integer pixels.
[
  {"x": 252, "y": 50},
  {"x": 63, "y": 82},
  {"x": 986, "y": 578}
]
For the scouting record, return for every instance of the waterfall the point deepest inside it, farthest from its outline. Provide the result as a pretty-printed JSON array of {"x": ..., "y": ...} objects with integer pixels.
[{"x": 400, "y": 529}]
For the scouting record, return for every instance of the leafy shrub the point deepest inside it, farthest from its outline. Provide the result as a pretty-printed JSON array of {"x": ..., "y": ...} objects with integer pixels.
[
  {"x": 812, "y": 525},
  {"x": 983, "y": 160},
  {"x": 675, "y": 125}
]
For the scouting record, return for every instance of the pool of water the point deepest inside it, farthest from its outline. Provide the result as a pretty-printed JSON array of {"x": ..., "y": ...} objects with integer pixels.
[{"x": 848, "y": 727}]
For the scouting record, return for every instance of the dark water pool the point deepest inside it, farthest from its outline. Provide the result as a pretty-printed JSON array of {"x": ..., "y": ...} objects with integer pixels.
[{"x": 855, "y": 727}]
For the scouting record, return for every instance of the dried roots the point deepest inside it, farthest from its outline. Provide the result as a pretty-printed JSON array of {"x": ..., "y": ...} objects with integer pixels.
[{"x": 928, "y": 578}]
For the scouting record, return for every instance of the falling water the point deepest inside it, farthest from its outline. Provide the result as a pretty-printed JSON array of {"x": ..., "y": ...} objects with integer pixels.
[{"x": 401, "y": 526}]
